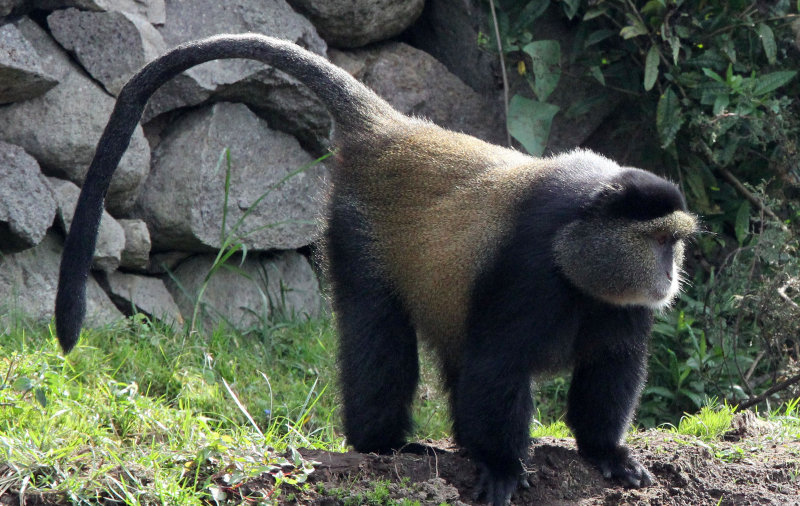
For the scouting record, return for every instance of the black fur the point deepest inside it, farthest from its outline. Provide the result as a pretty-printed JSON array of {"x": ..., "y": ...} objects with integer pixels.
[
  {"x": 378, "y": 362},
  {"x": 526, "y": 319},
  {"x": 641, "y": 196}
]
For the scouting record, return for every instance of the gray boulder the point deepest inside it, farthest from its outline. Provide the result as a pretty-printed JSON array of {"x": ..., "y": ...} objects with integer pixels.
[
  {"x": 136, "y": 254},
  {"x": 416, "y": 84},
  {"x": 183, "y": 198},
  {"x": 202, "y": 18},
  {"x": 110, "y": 237},
  {"x": 448, "y": 30},
  {"x": 263, "y": 286},
  {"x": 356, "y": 23},
  {"x": 28, "y": 281},
  {"x": 111, "y": 46},
  {"x": 243, "y": 80},
  {"x": 61, "y": 127},
  {"x": 27, "y": 206},
  {"x": 6, "y": 6},
  {"x": 147, "y": 294},
  {"x": 152, "y": 10},
  {"x": 21, "y": 75}
]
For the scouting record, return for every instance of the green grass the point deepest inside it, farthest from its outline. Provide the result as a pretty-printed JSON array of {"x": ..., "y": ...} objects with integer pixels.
[{"x": 142, "y": 413}]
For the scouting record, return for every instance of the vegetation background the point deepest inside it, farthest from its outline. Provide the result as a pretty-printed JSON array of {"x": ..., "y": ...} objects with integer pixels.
[{"x": 707, "y": 96}]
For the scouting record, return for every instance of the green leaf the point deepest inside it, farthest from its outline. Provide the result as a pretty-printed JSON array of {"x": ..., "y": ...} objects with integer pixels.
[
  {"x": 713, "y": 75},
  {"x": 698, "y": 399},
  {"x": 653, "y": 7},
  {"x": 662, "y": 391},
  {"x": 668, "y": 117},
  {"x": 22, "y": 384},
  {"x": 529, "y": 122},
  {"x": 593, "y": 13},
  {"x": 651, "y": 68},
  {"x": 697, "y": 188},
  {"x": 742, "y": 225},
  {"x": 721, "y": 102},
  {"x": 635, "y": 28},
  {"x": 41, "y": 397},
  {"x": 571, "y": 7},
  {"x": 546, "y": 65},
  {"x": 630, "y": 32},
  {"x": 597, "y": 36},
  {"x": 675, "y": 45},
  {"x": 532, "y": 11},
  {"x": 773, "y": 81},
  {"x": 768, "y": 41},
  {"x": 598, "y": 74},
  {"x": 709, "y": 58}
]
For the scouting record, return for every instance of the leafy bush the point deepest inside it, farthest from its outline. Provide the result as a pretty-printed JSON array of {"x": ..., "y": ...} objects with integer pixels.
[{"x": 709, "y": 87}]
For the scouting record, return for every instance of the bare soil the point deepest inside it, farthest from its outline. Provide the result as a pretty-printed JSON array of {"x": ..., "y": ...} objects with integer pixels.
[{"x": 745, "y": 470}]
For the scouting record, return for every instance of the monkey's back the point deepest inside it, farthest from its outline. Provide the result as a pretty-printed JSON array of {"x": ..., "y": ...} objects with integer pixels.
[{"x": 440, "y": 204}]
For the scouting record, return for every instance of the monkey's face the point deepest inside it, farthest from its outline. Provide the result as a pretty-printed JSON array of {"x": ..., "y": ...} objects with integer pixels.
[{"x": 626, "y": 262}]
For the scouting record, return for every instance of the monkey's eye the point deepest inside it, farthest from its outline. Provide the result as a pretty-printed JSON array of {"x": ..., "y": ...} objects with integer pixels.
[{"x": 662, "y": 238}]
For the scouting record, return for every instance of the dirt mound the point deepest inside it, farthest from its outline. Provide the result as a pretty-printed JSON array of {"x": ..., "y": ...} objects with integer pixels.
[{"x": 686, "y": 472}]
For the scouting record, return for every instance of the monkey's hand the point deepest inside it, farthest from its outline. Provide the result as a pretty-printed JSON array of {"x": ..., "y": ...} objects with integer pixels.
[
  {"x": 620, "y": 465},
  {"x": 495, "y": 490}
]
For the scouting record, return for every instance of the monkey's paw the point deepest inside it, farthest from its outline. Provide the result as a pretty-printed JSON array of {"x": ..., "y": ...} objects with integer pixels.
[
  {"x": 493, "y": 489},
  {"x": 626, "y": 469}
]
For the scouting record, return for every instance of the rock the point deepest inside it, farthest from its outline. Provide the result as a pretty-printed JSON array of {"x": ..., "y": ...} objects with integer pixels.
[
  {"x": 356, "y": 23},
  {"x": 110, "y": 237},
  {"x": 201, "y": 18},
  {"x": 136, "y": 254},
  {"x": 183, "y": 197},
  {"x": 28, "y": 283},
  {"x": 239, "y": 297},
  {"x": 61, "y": 127},
  {"x": 27, "y": 206},
  {"x": 167, "y": 262},
  {"x": 148, "y": 294},
  {"x": 21, "y": 75},
  {"x": 416, "y": 84},
  {"x": 448, "y": 30},
  {"x": 111, "y": 46},
  {"x": 151, "y": 10},
  {"x": 7, "y": 6},
  {"x": 287, "y": 104}
]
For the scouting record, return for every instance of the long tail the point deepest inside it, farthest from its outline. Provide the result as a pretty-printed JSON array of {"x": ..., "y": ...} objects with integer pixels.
[{"x": 351, "y": 104}]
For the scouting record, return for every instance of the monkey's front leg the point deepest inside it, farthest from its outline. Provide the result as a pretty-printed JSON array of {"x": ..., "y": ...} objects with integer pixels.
[
  {"x": 602, "y": 399},
  {"x": 493, "y": 410}
]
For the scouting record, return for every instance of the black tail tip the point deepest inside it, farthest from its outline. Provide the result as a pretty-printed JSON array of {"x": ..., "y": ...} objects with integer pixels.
[{"x": 67, "y": 334}]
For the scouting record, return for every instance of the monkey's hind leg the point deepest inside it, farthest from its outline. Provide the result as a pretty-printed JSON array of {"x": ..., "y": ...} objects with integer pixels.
[{"x": 378, "y": 360}]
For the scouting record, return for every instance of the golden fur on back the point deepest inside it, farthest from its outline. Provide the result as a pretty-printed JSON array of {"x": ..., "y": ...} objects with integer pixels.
[{"x": 440, "y": 204}]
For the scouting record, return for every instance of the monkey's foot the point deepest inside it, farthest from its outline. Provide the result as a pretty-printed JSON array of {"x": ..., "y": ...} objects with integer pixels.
[
  {"x": 493, "y": 489},
  {"x": 621, "y": 466}
]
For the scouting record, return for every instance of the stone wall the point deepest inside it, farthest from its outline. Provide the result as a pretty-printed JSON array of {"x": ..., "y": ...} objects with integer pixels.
[{"x": 63, "y": 61}]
